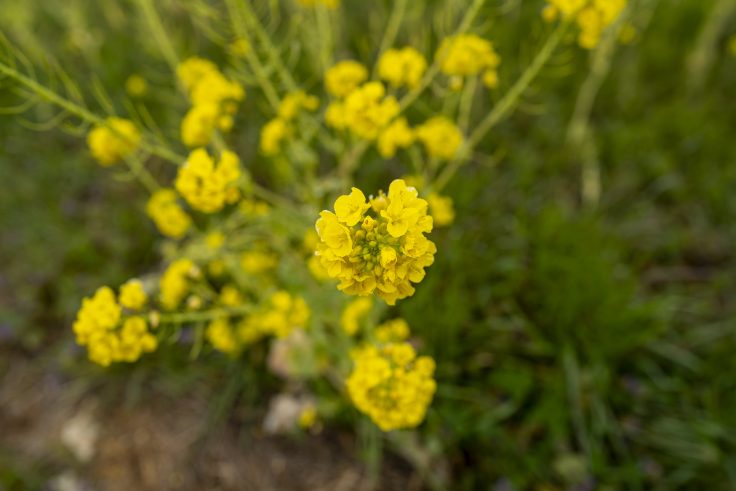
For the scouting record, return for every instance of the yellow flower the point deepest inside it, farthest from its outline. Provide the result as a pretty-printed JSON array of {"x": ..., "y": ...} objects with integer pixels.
[
  {"x": 214, "y": 88},
  {"x": 350, "y": 208},
  {"x": 440, "y": 136},
  {"x": 382, "y": 254},
  {"x": 192, "y": 70},
  {"x": 273, "y": 134},
  {"x": 113, "y": 141},
  {"x": 466, "y": 55},
  {"x": 214, "y": 240},
  {"x": 442, "y": 209},
  {"x": 257, "y": 262},
  {"x": 294, "y": 102},
  {"x": 353, "y": 313},
  {"x": 591, "y": 16},
  {"x": 166, "y": 213},
  {"x": 222, "y": 337},
  {"x": 132, "y": 295},
  {"x": 282, "y": 314},
  {"x": 402, "y": 67},
  {"x": 136, "y": 86},
  {"x": 98, "y": 326},
  {"x": 396, "y": 135},
  {"x": 239, "y": 48},
  {"x": 344, "y": 77},
  {"x": 392, "y": 385},
  {"x": 253, "y": 208},
  {"x": 366, "y": 111},
  {"x": 230, "y": 296},
  {"x": 308, "y": 417},
  {"x": 732, "y": 45},
  {"x": 199, "y": 125},
  {"x": 392, "y": 331},
  {"x": 174, "y": 283},
  {"x": 208, "y": 186}
]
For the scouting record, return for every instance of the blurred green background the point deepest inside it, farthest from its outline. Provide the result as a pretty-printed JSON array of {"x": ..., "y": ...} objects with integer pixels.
[{"x": 579, "y": 345}]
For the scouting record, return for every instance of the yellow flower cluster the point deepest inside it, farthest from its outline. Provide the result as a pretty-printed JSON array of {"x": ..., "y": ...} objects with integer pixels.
[
  {"x": 113, "y": 141},
  {"x": 402, "y": 67},
  {"x": 279, "y": 128},
  {"x": 258, "y": 261},
  {"x": 396, "y": 135},
  {"x": 282, "y": 314},
  {"x": 174, "y": 283},
  {"x": 214, "y": 100},
  {"x": 392, "y": 385},
  {"x": 330, "y": 4},
  {"x": 132, "y": 295},
  {"x": 442, "y": 209},
  {"x": 365, "y": 111},
  {"x": 165, "y": 211},
  {"x": 107, "y": 334},
  {"x": 382, "y": 254},
  {"x": 392, "y": 331},
  {"x": 591, "y": 16},
  {"x": 440, "y": 137},
  {"x": 353, "y": 313},
  {"x": 468, "y": 55},
  {"x": 208, "y": 186},
  {"x": 345, "y": 77}
]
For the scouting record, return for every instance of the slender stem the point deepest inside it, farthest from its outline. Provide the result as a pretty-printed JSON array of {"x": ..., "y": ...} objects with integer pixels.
[
  {"x": 75, "y": 109},
  {"x": 466, "y": 104},
  {"x": 159, "y": 34},
  {"x": 265, "y": 41},
  {"x": 503, "y": 108},
  {"x": 579, "y": 134},
  {"x": 255, "y": 63},
  {"x": 325, "y": 29}
]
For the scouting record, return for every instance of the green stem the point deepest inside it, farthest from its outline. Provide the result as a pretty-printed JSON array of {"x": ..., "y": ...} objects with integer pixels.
[
  {"x": 255, "y": 63},
  {"x": 503, "y": 108},
  {"x": 159, "y": 34},
  {"x": 75, "y": 109}
]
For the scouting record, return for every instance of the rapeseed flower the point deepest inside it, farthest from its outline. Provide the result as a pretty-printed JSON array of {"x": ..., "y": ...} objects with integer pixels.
[
  {"x": 591, "y": 16},
  {"x": 354, "y": 313},
  {"x": 396, "y": 135},
  {"x": 392, "y": 385},
  {"x": 440, "y": 136},
  {"x": 467, "y": 55},
  {"x": 442, "y": 209},
  {"x": 132, "y": 295},
  {"x": 365, "y": 111},
  {"x": 402, "y": 67},
  {"x": 170, "y": 219},
  {"x": 208, "y": 186},
  {"x": 344, "y": 77},
  {"x": 113, "y": 141},
  {"x": 175, "y": 282},
  {"x": 392, "y": 331},
  {"x": 381, "y": 253}
]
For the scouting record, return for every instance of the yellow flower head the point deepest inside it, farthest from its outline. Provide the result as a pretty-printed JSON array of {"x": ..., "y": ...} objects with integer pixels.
[
  {"x": 392, "y": 331},
  {"x": 284, "y": 313},
  {"x": 136, "y": 85},
  {"x": 199, "y": 125},
  {"x": 466, "y": 55},
  {"x": 353, "y": 313},
  {"x": 169, "y": 217},
  {"x": 294, "y": 102},
  {"x": 379, "y": 252},
  {"x": 391, "y": 385},
  {"x": 440, "y": 136},
  {"x": 344, "y": 77},
  {"x": 108, "y": 336},
  {"x": 132, "y": 295},
  {"x": 273, "y": 134},
  {"x": 591, "y": 16},
  {"x": 113, "y": 141},
  {"x": 396, "y": 135},
  {"x": 239, "y": 48},
  {"x": 174, "y": 283},
  {"x": 192, "y": 70},
  {"x": 208, "y": 186},
  {"x": 366, "y": 111},
  {"x": 442, "y": 209},
  {"x": 223, "y": 337},
  {"x": 258, "y": 262},
  {"x": 402, "y": 67}
]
